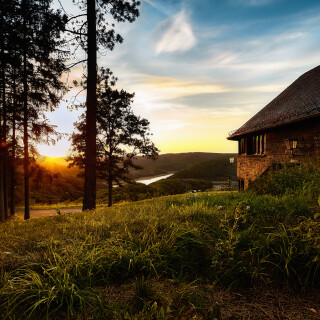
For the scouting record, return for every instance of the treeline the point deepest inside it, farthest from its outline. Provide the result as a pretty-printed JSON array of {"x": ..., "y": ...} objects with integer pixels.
[
  {"x": 38, "y": 44},
  {"x": 48, "y": 186},
  {"x": 173, "y": 162},
  {"x": 164, "y": 187},
  {"x": 31, "y": 63},
  {"x": 219, "y": 169}
]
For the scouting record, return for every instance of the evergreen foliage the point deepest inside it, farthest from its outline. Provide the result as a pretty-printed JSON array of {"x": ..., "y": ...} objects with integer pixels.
[
  {"x": 93, "y": 33},
  {"x": 121, "y": 135},
  {"x": 31, "y": 66},
  {"x": 218, "y": 169}
]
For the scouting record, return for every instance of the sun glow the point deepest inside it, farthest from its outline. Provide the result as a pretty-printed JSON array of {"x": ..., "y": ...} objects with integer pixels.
[{"x": 60, "y": 149}]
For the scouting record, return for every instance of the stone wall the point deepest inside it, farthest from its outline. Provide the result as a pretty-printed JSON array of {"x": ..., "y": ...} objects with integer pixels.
[{"x": 249, "y": 167}]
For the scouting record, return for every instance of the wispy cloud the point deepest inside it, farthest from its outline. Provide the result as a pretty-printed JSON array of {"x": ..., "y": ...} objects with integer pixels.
[
  {"x": 160, "y": 87},
  {"x": 254, "y": 3},
  {"x": 179, "y": 35}
]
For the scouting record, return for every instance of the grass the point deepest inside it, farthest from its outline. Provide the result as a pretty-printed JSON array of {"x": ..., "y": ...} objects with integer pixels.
[{"x": 163, "y": 258}]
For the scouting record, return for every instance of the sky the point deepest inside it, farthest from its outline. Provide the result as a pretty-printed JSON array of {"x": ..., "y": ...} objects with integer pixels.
[{"x": 202, "y": 68}]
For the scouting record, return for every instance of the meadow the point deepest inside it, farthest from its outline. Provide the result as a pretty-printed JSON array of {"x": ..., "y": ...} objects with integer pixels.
[{"x": 210, "y": 255}]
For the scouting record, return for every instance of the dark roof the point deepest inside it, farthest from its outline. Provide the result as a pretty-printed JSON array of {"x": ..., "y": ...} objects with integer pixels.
[{"x": 300, "y": 101}]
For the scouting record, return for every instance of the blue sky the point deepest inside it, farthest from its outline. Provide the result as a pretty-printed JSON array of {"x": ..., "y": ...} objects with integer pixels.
[{"x": 201, "y": 68}]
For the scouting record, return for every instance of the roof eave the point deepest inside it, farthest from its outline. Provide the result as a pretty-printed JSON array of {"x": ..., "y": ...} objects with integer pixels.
[{"x": 236, "y": 136}]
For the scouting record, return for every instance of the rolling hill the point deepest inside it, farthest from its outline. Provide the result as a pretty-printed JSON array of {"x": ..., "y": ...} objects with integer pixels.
[
  {"x": 218, "y": 169},
  {"x": 173, "y": 162}
]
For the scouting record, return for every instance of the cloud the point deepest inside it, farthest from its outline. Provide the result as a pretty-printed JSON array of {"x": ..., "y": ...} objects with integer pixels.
[
  {"x": 256, "y": 61},
  {"x": 171, "y": 124},
  {"x": 179, "y": 36},
  {"x": 157, "y": 89},
  {"x": 225, "y": 100},
  {"x": 254, "y": 3}
]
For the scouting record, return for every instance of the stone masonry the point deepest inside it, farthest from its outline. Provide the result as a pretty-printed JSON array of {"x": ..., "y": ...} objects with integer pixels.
[{"x": 307, "y": 132}]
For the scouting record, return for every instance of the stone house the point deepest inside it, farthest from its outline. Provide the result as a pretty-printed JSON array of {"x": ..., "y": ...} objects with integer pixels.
[{"x": 285, "y": 130}]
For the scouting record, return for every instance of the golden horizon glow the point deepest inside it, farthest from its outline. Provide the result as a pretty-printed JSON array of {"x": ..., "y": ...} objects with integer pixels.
[{"x": 47, "y": 160}]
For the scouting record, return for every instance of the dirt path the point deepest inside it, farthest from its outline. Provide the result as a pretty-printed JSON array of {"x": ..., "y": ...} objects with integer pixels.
[{"x": 36, "y": 213}]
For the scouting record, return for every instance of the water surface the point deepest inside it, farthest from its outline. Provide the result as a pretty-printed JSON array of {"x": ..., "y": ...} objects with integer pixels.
[{"x": 154, "y": 179}]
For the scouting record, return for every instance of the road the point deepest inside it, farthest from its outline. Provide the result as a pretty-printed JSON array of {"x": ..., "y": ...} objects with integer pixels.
[{"x": 36, "y": 213}]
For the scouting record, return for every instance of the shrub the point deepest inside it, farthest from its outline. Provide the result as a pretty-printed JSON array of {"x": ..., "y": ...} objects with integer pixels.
[{"x": 291, "y": 178}]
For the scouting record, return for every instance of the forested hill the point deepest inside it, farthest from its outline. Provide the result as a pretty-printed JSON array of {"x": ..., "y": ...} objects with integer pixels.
[
  {"x": 218, "y": 169},
  {"x": 192, "y": 165},
  {"x": 173, "y": 162}
]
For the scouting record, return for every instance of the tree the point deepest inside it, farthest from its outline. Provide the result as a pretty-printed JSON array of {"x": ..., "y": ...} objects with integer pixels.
[
  {"x": 10, "y": 62},
  {"x": 30, "y": 68},
  {"x": 91, "y": 33},
  {"x": 121, "y": 135},
  {"x": 42, "y": 68}
]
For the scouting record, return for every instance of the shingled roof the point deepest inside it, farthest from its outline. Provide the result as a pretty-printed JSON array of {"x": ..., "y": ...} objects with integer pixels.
[{"x": 300, "y": 101}]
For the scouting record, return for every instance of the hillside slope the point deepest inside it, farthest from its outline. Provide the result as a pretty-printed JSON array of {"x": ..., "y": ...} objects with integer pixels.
[
  {"x": 172, "y": 162},
  {"x": 203, "y": 256},
  {"x": 218, "y": 169}
]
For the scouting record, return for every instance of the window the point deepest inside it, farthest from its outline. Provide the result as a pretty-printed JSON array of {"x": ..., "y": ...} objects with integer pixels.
[
  {"x": 259, "y": 144},
  {"x": 242, "y": 147},
  {"x": 253, "y": 144}
]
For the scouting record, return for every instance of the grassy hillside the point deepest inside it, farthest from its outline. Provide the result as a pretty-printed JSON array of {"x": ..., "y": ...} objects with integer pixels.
[
  {"x": 218, "y": 169},
  {"x": 202, "y": 256},
  {"x": 163, "y": 187},
  {"x": 171, "y": 162}
]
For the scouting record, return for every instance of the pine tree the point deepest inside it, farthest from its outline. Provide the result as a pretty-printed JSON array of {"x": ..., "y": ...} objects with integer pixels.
[
  {"x": 42, "y": 68},
  {"x": 93, "y": 25},
  {"x": 30, "y": 78},
  {"x": 121, "y": 135}
]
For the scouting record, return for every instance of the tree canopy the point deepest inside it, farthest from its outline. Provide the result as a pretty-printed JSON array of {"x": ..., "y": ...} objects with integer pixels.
[{"x": 121, "y": 135}]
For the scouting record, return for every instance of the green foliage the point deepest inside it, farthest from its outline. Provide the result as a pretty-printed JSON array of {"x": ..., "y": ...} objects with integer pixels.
[
  {"x": 292, "y": 178},
  {"x": 120, "y": 135},
  {"x": 50, "y": 185},
  {"x": 217, "y": 169},
  {"x": 157, "y": 255},
  {"x": 173, "y": 162},
  {"x": 140, "y": 191},
  {"x": 128, "y": 192}
]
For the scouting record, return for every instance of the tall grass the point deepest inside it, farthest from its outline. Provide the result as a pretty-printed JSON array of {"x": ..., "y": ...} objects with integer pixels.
[{"x": 63, "y": 265}]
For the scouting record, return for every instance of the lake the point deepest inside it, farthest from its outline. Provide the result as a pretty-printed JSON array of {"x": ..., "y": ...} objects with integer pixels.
[{"x": 153, "y": 179}]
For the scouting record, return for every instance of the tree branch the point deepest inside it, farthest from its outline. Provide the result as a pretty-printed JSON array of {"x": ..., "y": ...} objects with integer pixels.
[
  {"x": 78, "y": 16},
  {"x": 63, "y": 8},
  {"x": 75, "y": 32},
  {"x": 74, "y": 64}
]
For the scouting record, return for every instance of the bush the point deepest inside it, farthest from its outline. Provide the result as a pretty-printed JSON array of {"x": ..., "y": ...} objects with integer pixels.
[{"x": 291, "y": 178}]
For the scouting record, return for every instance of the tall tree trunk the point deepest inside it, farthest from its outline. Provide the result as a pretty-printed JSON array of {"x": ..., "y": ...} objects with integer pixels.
[
  {"x": 89, "y": 199},
  {"x": 5, "y": 152},
  {"x": 2, "y": 58},
  {"x": 110, "y": 192},
  {"x": 24, "y": 6},
  {"x": 25, "y": 139},
  {"x": 2, "y": 213},
  {"x": 13, "y": 159},
  {"x": 110, "y": 180}
]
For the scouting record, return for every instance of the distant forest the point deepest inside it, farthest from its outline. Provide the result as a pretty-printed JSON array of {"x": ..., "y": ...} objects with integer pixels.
[{"x": 53, "y": 182}]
